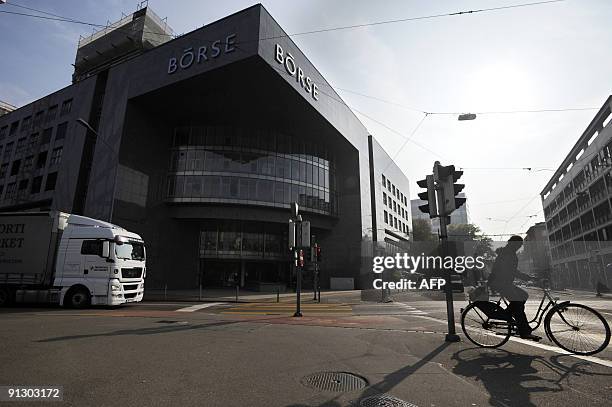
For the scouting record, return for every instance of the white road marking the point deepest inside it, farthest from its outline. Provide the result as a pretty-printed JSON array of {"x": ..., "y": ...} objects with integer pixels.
[
  {"x": 592, "y": 359},
  {"x": 199, "y": 306}
]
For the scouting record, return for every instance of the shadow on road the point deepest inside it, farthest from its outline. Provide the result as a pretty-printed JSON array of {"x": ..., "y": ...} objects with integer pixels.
[
  {"x": 144, "y": 331},
  {"x": 511, "y": 378}
]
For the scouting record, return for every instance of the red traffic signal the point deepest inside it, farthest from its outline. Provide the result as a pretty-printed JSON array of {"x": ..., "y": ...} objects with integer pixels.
[
  {"x": 318, "y": 252},
  {"x": 300, "y": 260}
]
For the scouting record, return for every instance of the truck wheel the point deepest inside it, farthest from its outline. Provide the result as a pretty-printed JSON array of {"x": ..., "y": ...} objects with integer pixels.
[
  {"x": 6, "y": 296},
  {"x": 77, "y": 298}
]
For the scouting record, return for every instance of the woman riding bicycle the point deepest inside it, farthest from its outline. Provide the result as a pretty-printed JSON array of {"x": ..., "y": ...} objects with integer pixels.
[{"x": 502, "y": 277}]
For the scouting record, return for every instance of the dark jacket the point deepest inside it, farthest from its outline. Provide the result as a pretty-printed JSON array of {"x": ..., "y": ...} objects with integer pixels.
[{"x": 504, "y": 269}]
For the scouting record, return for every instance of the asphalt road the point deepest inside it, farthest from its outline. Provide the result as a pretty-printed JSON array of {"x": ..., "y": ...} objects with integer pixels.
[{"x": 224, "y": 354}]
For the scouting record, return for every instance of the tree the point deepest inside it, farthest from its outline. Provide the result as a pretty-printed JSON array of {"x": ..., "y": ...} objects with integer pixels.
[
  {"x": 421, "y": 230},
  {"x": 480, "y": 245}
]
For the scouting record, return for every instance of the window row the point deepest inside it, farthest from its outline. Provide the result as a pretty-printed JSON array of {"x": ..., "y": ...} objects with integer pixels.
[
  {"x": 395, "y": 191},
  {"x": 31, "y": 162},
  {"x": 396, "y": 223},
  {"x": 41, "y": 117},
  {"x": 249, "y": 239},
  {"x": 237, "y": 138},
  {"x": 250, "y": 189},
  {"x": 28, "y": 144},
  {"x": 395, "y": 207},
  {"x": 251, "y": 163},
  {"x": 24, "y": 187}
]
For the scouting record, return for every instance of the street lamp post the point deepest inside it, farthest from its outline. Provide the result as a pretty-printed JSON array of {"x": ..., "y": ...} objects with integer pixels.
[{"x": 96, "y": 136}]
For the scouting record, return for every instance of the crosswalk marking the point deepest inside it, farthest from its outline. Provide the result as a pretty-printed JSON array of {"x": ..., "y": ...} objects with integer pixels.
[
  {"x": 199, "y": 306},
  {"x": 287, "y": 308}
]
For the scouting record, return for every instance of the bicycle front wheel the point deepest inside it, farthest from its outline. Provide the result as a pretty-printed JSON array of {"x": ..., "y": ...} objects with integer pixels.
[
  {"x": 577, "y": 328},
  {"x": 482, "y": 330}
]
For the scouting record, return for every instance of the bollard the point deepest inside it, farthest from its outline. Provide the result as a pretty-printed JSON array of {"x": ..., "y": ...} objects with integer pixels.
[
  {"x": 200, "y": 297},
  {"x": 277, "y": 294},
  {"x": 165, "y": 290},
  {"x": 236, "y": 293}
]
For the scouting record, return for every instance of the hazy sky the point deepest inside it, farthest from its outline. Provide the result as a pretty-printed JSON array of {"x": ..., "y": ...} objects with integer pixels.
[{"x": 547, "y": 56}]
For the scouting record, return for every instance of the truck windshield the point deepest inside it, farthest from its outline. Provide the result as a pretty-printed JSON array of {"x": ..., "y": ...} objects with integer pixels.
[{"x": 130, "y": 250}]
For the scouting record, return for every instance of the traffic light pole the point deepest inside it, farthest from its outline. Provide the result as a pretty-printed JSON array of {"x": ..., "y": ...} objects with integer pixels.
[{"x": 451, "y": 336}]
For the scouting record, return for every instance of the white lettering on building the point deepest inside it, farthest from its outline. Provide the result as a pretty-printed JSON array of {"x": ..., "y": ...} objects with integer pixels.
[{"x": 288, "y": 61}]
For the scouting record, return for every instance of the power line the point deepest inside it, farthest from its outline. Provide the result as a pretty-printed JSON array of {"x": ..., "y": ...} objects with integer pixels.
[
  {"x": 403, "y": 20},
  {"x": 392, "y": 103},
  {"x": 322, "y": 30}
]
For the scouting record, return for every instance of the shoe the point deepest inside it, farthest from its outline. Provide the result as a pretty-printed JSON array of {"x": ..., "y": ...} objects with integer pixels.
[{"x": 531, "y": 337}]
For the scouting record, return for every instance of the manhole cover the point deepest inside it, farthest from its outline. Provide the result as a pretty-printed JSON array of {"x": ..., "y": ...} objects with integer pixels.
[
  {"x": 384, "y": 400},
  {"x": 335, "y": 381}
]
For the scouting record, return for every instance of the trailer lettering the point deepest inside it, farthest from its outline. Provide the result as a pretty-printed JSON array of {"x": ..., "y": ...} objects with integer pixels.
[
  {"x": 11, "y": 243},
  {"x": 12, "y": 228}
]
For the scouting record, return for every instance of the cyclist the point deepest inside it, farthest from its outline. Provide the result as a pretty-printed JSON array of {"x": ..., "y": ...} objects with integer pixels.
[{"x": 502, "y": 280}]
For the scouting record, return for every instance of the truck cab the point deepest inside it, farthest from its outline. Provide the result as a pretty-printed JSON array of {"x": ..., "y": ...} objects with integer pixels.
[{"x": 99, "y": 263}]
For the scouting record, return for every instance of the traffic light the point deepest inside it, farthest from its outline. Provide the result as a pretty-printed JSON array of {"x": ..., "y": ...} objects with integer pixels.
[
  {"x": 430, "y": 196},
  {"x": 318, "y": 253},
  {"x": 447, "y": 177},
  {"x": 300, "y": 260}
]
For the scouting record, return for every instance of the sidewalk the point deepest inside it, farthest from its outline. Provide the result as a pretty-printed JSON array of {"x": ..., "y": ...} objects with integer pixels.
[{"x": 229, "y": 295}]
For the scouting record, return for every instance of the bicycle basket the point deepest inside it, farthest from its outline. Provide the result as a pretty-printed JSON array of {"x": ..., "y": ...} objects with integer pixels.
[{"x": 493, "y": 310}]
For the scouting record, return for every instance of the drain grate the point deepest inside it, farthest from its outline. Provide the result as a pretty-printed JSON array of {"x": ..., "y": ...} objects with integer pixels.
[
  {"x": 334, "y": 381},
  {"x": 384, "y": 400}
]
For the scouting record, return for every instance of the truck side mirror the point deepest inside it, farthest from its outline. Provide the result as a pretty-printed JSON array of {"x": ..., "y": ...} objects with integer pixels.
[{"x": 106, "y": 249}]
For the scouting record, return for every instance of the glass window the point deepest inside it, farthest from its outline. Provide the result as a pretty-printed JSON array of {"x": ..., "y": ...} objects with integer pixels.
[
  {"x": 3, "y": 132},
  {"x": 309, "y": 172},
  {"x": 46, "y": 135},
  {"x": 56, "y": 156},
  {"x": 21, "y": 143},
  {"x": 386, "y": 217},
  {"x": 28, "y": 162},
  {"x": 384, "y": 180},
  {"x": 11, "y": 189},
  {"x": 61, "y": 131},
  {"x": 41, "y": 161},
  {"x": 38, "y": 118},
  {"x": 295, "y": 170},
  {"x": 233, "y": 187},
  {"x": 209, "y": 240},
  {"x": 265, "y": 190},
  {"x": 8, "y": 151},
  {"x": 51, "y": 114},
  {"x": 66, "y": 106},
  {"x": 3, "y": 170},
  {"x": 33, "y": 142},
  {"x": 384, "y": 199},
  {"x": 92, "y": 247},
  {"x": 15, "y": 167},
  {"x": 36, "y": 184},
  {"x": 302, "y": 171},
  {"x": 51, "y": 180},
  {"x": 26, "y": 123}
]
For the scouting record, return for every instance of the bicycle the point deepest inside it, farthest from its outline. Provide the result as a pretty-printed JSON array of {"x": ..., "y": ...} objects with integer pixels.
[{"x": 573, "y": 327}]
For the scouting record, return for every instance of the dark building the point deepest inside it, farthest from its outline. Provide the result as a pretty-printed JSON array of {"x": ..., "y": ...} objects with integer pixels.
[
  {"x": 200, "y": 143},
  {"x": 577, "y": 208}
]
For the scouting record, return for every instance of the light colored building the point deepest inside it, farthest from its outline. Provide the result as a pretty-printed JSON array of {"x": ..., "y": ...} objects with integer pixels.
[{"x": 577, "y": 207}]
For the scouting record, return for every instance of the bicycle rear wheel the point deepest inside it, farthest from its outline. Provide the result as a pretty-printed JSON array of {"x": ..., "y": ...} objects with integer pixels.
[
  {"x": 482, "y": 330},
  {"x": 577, "y": 328}
]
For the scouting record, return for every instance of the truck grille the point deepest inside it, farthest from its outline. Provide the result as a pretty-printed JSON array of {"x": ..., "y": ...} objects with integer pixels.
[
  {"x": 130, "y": 287},
  {"x": 129, "y": 295},
  {"x": 134, "y": 272}
]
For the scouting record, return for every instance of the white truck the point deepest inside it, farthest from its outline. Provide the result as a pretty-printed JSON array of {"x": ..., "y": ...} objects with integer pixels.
[{"x": 72, "y": 260}]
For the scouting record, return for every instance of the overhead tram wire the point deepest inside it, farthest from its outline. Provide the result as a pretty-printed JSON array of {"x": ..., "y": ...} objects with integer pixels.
[{"x": 317, "y": 31}]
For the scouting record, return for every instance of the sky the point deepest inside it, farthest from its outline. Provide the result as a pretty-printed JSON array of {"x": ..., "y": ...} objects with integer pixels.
[{"x": 546, "y": 56}]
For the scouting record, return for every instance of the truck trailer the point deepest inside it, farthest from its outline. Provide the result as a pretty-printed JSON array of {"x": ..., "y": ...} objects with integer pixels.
[{"x": 71, "y": 260}]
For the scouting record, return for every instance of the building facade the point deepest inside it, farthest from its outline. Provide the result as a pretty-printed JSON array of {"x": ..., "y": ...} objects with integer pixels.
[
  {"x": 577, "y": 208},
  {"x": 200, "y": 144}
]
